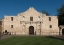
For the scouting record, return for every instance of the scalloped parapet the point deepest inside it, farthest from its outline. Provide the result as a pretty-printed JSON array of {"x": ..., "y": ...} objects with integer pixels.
[{"x": 31, "y": 11}]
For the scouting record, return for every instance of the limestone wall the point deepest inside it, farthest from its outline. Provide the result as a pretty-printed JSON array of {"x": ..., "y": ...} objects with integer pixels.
[
  {"x": 46, "y": 25},
  {"x": 41, "y": 23}
]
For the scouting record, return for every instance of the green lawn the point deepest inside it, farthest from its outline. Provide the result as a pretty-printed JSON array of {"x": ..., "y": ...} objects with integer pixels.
[{"x": 31, "y": 40}]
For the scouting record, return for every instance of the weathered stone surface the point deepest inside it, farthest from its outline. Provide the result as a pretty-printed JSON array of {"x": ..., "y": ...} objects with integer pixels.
[{"x": 21, "y": 23}]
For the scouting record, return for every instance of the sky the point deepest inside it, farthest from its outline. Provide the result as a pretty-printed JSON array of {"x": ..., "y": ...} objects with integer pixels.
[{"x": 13, "y": 7}]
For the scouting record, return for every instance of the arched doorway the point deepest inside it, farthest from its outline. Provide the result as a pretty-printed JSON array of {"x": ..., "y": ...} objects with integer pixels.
[
  {"x": 62, "y": 31},
  {"x": 31, "y": 30}
]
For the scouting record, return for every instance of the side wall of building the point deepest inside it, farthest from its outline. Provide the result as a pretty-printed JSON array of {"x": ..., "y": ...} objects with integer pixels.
[
  {"x": 50, "y": 26},
  {"x": 41, "y": 26}
]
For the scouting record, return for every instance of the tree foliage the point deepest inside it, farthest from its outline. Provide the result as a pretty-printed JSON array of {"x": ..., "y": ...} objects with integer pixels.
[
  {"x": 61, "y": 15},
  {"x": 45, "y": 12}
]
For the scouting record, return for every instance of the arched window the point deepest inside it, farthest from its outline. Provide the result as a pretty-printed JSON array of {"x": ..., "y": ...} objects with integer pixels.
[
  {"x": 11, "y": 26},
  {"x": 49, "y": 18},
  {"x": 50, "y": 26},
  {"x": 31, "y": 18},
  {"x": 11, "y": 18}
]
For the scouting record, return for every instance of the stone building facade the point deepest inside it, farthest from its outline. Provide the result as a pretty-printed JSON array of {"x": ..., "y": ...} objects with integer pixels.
[
  {"x": 0, "y": 26},
  {"x": 31, "y": 22}
]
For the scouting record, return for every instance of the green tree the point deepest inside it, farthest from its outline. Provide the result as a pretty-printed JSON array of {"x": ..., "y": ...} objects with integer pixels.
[
  {"x": 61, "y": 15},
  {"x": 45, "y": 12}
]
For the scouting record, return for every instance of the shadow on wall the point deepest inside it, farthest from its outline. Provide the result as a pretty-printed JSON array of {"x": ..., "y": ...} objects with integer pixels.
[{"x": 6, "y": 33}]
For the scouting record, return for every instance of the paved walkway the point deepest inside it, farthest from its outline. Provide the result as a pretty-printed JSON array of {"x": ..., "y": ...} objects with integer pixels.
[
  {"x": 5, "y": 36},
  {"x": 8, "y": 36},
  {"x": 59, "y": 37}
]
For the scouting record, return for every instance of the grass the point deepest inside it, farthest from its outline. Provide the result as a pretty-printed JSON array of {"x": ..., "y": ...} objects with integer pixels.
[{"x": 31, "y": 40}]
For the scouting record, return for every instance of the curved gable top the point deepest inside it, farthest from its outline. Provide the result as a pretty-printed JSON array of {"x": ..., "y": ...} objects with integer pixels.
[{"x": 31, "y": 11}]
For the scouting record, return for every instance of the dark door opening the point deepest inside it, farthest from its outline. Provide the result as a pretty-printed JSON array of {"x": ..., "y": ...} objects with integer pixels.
[
  {"x": 5, "y": 31},
  {"x": 62, "y": 31},
  {"x": 31, "y": 30}
]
